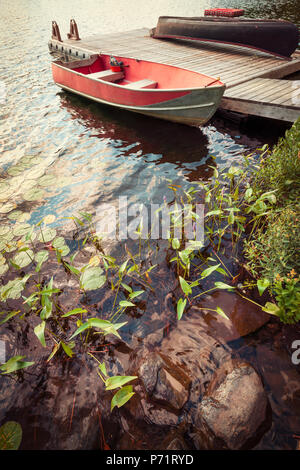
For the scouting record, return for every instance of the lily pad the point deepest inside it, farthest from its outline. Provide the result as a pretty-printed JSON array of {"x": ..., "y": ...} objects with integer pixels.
[
  {"x": 23, "y": 259},
  {"x": 4, "y": 187},
  {"x": 33, "y": 194},
  {"x": 15, "y": 170},
  {"x": 20, "y": 230},
  {"x": 47, "y": 180},
  {"x": 27, "y": 185},
  {"x": 47, "y": 234},
  {"x": 3, "y": 269},
  {"x": 7, "y": 237},
  {"x": 58, "y": 242},
  {"x": 19, "y": 216},
  {"x": 10, "y": 436},
  {"x": 4, "y": 229},
  {"x": 5, "y": 208},
  {"x": 11, "y": 246},
  {"x": 92, "y": 278}
]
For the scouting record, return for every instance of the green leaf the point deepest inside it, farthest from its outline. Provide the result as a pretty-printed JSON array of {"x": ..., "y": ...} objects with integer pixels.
[
  {"x": 185, "y": 286},
  {"x": 9, "y": 316},
  {"x": 13, "y": 289},
  {"x": 121, "y": 397},
  {"x": 39, "y": 331},
  {"x": 40, "y": 258},
  {"x": 102, "y": 367},
  {"x": 180, "y": 307},
  {"x": 175, "y": 243},
  {"x": 34, "y": 194},
  {"x": 222, "y": 285},
  {"x": 67, "y": 349},
  {"x": 231, "y": 217},
  {"x": 24, "y": 258},
  {"x": 47, "y": 234},
  {"x": 262, "y": 285},
  {"x": 20, "y": 230},
  {"x": 184, "y": 255},
  {"x": 215, "y": 212},
  {"x": 117, "y": 381},
  {"x": 271, "y": 308},
  {"x": 58, "y": 242},
  {"x": 222, "y": 271},
  {"x": 3, "y": 269},
  {"x": 75, "y": 311},
  {"x": 221, "y": 312},
  {"x": 105, "y": 325},
  {"x": 123, "y": 267},
  {"x": 128, "y": 288},
  {"x": 136, "y": 294},
  {"x": 10, "y": 436},
  {"x": 209, "y": 270},
  {"x": 126, "y": 303},
  {"x": 92, "y": 278},
  {"x": 54, "y": 351},
  {"x": 13, "y": 364},
  {"x": 72, "y": 269}
]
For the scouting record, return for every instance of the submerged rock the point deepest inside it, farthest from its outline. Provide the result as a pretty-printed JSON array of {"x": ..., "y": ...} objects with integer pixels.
[
  {"x": 164, "y": 381},
  {"x": 233, "y": 412}
]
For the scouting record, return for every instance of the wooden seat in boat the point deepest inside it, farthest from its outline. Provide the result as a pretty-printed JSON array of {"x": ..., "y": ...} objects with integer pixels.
[
  {"x": 107, "y": 75},
  {"x": 146, "y": 83}
]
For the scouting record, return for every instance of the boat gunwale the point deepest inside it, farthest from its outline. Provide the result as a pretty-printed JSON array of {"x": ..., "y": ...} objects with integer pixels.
[{"x": 146, "y": 90}]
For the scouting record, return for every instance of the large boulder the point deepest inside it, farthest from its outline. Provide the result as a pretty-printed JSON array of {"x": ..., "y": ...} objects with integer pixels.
[{"x": 233, "y": 413}]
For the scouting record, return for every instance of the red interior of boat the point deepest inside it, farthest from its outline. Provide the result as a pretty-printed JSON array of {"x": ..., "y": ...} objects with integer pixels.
[{"x": 166, "y": 76}]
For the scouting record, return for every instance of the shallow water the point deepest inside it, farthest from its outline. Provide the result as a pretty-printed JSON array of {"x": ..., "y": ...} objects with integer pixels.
[{"x": 79, "y": 155}]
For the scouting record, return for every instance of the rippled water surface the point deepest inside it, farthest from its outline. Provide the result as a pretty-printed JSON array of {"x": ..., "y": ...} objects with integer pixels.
[
  {"x": 91, "y": 153},
  {"x": 61, "y": 153}
]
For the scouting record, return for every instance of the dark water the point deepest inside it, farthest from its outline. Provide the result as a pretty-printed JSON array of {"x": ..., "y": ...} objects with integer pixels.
[{"x": 93, "y": 154}]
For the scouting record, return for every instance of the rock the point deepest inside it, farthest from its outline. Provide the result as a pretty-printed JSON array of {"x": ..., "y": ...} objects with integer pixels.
[
  {"x": 233, "y": 412},
  {"x": 164, "y": 382},
  {"x": 245, "y": 317}
]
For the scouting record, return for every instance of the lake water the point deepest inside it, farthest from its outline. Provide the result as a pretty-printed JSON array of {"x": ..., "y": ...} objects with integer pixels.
[
  {"x": 94, "y": 153},
  {"x": 61, "y": 154}
]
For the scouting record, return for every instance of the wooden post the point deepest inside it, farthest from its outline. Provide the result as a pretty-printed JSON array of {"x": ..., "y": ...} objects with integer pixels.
[
  {"x": 73, "y": 34},
  {"x": 55, "y": 32}
]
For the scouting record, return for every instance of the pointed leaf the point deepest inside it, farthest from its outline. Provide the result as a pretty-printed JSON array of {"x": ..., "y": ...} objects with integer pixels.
[
  {"x": 221, "y": 312},
  {"x": 39, "y": 330},
  {"x": 209, "y": 270},
  {"x": 180, "y": 307},
  {"x": 262, "y": 285},
  {"x": 185, "y": 286},
  {"x": 122, "y": 396},
  {"x": 118, "y": 381}
]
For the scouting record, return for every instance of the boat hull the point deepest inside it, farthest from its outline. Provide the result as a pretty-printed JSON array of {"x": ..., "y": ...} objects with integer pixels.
[
  {"x": 277, "y": 37},
  {"x": 193, "y": 106}
]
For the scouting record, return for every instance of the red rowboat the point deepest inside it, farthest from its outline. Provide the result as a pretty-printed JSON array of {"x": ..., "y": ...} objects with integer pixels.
[{"x": 157, "y": 90}]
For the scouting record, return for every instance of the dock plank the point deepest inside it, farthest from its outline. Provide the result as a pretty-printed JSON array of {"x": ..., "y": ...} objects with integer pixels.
[{"x": 251, "y": 77}]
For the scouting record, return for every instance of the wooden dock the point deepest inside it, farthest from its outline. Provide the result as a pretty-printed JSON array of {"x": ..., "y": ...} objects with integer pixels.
[{"x": 252, "y": 78}]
